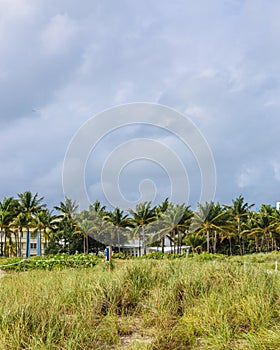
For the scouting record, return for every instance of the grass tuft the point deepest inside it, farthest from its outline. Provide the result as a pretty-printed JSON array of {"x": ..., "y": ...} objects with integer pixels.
[{"x": 143, "y": 304}]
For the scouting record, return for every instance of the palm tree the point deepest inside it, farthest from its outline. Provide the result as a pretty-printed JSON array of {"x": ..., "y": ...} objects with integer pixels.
[
  {"x": 67, "y": 209},
  {"x": 43, "y": 223},
  {"x": 239, "y": 213},
  {"x": 8, "y": 210},
  {"x": 120, "y": 222},
  {"x": 184, "y": 225},
  {"x": 67, "y": 224},
  {"x": 208, "y": 219},
  {"x": 100, "y": 230},
  {"x": 97, "y": 208},
  {"x": 20, "y": 222},
  {"x": 91, "y": 224},
  {"x": 84, "y": 227},
  {"x": 160, "y": 209},
  {"x": 275, "y": 228},
  {"x": 5, "y": 219},
  {"x": 30, "y": 205},
  {"x": 264, "y": 226},
  {"x": 143, "y": 215},
  {"x": 174, "y": 221}
]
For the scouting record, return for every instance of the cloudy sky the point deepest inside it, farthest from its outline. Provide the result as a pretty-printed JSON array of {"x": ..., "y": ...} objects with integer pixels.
[{"x": 217, "y": 62}]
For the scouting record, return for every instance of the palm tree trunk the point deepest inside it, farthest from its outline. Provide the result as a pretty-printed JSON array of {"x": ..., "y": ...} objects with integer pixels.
[
  {"x": 139, "y": 244},
  {"x": 215, "y": 242},
  {"x": 262, "y": 240},
  {"x": 162, "y": 243},
  {"x": 16, "y": 244},
  {"x": 1, "y": 236},
  {"x": 119, "y": 243},
  {"x": 5, "y": 244},
  {"x": 179, "y": 250},
  {"x": 174, "y": 241},
  {"x": 256, "y": 244},
  {"x": 208, "y": 240},
  {"x": 10, "y": 246},
  {"x": 144, "y": 240},
  {"x": 20, "y": 236},
  {"x": 243, "y": 246},
  {"x": 239, "y": 237},
  {"x": 267, "y": 242},
  {"x": 230, "y": 245}
]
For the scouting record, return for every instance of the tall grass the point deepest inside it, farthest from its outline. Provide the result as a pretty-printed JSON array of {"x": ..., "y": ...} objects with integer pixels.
[{"x": 142, "y": 304}]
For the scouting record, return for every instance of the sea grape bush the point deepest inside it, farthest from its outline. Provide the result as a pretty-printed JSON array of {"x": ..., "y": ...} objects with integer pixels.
[{"x": 57, "y": 261}]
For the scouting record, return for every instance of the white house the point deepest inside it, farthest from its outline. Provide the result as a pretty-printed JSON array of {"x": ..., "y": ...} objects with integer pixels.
[{"x": 135, "y": 248}]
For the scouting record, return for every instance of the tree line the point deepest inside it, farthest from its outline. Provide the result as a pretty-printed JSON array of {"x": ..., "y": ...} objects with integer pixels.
[{"x": 212, "y": 227}]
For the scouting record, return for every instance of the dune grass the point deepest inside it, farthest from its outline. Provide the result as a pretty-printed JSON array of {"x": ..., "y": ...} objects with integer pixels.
[{"x": 142, "y": 304}]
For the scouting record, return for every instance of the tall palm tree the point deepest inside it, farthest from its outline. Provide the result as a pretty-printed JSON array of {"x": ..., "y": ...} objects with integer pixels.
[
  {"x": 67, "y": 209},
  {"x": 5, "y": 220},
  {"x": 175, "y": 221},
  {"x": 143, "y": 215},
  {"x": 120, "y": 223},
  {"x": 8, "y": 210},
  {"x": 207, "y": 219},
  {"x": 84, "y": 228},
  {"x": 43, "y": 224},
  {"x": 248, "y": 228},
  {"x": 264, "y": 226},
  {"x": 97, "y": 208},
  {"x": 239, "y": 212},
  {"x": 67, "y": 224},
  {"x": 30, "y": 204},
  {"x": 19, "y": 223},
  {"x": 275, "y": 228},
  {"x": 160, "y": 210},
  {"x": 100, "y": 230}
]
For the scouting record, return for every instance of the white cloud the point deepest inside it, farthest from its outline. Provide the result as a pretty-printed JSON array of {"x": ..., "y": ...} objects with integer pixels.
[
  {"x": 276, "y": 169},
  {"x": 16, "y": 10},
  {"x": 250, "y": 175},
  {"x": 60, "y": 33}
]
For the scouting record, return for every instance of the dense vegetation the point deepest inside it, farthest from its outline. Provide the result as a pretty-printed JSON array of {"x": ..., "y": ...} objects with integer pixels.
[
  {"x": 145, "y": 304},
  {"x": 212, "y": 227}
]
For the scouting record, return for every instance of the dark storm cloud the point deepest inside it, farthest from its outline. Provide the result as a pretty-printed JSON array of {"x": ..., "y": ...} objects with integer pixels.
[{"x": 62, "y": 62}]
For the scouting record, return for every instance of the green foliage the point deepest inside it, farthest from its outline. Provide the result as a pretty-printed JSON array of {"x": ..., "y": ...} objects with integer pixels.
[
  {"x": 215, "y": 228},
  {"x": 122, "y": 256},
  {"x": 57, "y": 261}
]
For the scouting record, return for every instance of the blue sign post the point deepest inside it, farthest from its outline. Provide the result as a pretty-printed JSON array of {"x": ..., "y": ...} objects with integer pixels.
[{"x": 108, "y": 254}]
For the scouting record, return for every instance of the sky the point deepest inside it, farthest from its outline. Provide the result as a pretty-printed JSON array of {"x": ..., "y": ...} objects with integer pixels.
[{"x": 63, "y": 62}]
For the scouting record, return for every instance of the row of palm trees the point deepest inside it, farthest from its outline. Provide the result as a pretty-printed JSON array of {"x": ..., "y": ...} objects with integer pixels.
[
  {"x": 212, "y": 227},
  {"x": 28, "y": 215}
]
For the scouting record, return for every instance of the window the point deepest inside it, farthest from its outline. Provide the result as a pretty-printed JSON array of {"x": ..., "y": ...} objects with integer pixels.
[{"x": 33, "y": 245}]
